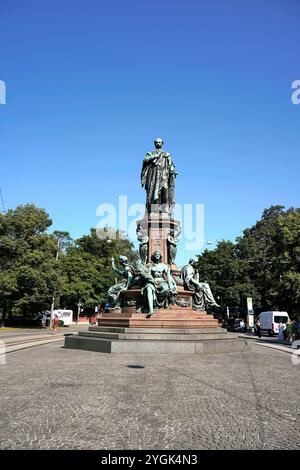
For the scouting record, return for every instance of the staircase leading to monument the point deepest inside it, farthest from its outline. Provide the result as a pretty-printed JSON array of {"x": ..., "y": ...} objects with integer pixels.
[{"x": 183, "y": 341}]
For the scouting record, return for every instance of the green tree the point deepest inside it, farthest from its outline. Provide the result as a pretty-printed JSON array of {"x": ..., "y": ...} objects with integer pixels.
[
  {"x": 227, "y": 276},
  {"x": 271, "y": 248},
  {"x": 263, "y": 264},
  {"x": 27, "y": 260},
  {"x": 85, "y": 268},
  {"x": 287, "y": 264}
]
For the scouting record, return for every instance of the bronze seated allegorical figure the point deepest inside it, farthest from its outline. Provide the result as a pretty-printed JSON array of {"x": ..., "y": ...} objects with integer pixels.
[
  {"x": 158, "y": 284},
  {"x": 115, "y": 293},
  {"x": 203, "y": 296}
]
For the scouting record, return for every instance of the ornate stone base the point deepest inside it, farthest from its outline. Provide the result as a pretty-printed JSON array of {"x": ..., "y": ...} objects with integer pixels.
[
  {"x": 168, "y": 318},
  {"x": 177, "y": 315}
]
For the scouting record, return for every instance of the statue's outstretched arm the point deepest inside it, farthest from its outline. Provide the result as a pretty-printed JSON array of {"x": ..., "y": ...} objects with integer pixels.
[{"x": 118, "y": 271}]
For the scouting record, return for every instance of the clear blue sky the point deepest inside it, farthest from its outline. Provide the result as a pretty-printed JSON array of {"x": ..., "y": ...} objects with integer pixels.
[{"x": 91, "y": 83}]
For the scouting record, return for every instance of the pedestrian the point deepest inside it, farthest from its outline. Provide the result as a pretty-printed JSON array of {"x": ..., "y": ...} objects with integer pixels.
[
  {"x": 289, "y": 332},
  {"x": 257, "y": 326},
  {"x": 242, "y": 326},
  {"x": 280, "y": 331},
  {"x": 294, "y": 330},
  {"x": 54, "y": 324}
]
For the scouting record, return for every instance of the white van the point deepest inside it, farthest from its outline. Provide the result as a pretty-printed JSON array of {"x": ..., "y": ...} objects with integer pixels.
[
  {"x": 269, "y": 321},
  {"x": 65, "y": 315}
]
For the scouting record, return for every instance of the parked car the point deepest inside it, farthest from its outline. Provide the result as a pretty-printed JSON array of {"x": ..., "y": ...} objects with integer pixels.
[
  {"x": 233, "y": 324},
  {"x": 237, "y": 325}
]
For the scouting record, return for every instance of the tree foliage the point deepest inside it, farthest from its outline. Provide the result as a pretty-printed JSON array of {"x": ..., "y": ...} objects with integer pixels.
[
  {"x": 36, "y": 265},
  {"x": 27, "y": 263},
  {"x": 263, "y": 264},
  {"x": 86, "y": 268}
]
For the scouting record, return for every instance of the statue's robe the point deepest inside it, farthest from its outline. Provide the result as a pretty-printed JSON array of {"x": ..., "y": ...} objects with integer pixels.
[
  {"x": 203, "y": 296},
  {"x": 158, "y": 179},
  {"x": 115, "y": 292}
]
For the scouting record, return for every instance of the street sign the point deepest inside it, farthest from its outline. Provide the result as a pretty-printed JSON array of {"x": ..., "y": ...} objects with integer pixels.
[{"x": 250, "y": 306}]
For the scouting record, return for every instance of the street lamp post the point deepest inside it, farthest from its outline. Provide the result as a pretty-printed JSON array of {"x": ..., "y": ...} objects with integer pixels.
[
  {"x": 53, "y": 298},
  {"x": 78, "y": 313},
  {"x": 227, "y": 312},
  {"x": 220, "y": 302}
]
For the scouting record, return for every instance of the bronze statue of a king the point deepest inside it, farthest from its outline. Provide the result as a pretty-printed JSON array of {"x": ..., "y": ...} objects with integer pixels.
[{"x": 158, "y": 178}]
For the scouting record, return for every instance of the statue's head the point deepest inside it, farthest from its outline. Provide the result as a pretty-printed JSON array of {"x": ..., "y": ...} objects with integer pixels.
[
  {"x": 123, "y": 260},
  {"x": 193, "y": 261},
  {"x": 156, "y": 256},
  {"x": 158, "y": 143}
]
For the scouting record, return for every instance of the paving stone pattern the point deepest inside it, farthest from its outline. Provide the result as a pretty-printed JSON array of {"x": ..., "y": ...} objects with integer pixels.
[{"x": 55, "y": 398}]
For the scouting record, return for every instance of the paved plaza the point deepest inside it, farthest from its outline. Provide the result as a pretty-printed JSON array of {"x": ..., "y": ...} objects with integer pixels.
[{"x": 54, "y": 398}]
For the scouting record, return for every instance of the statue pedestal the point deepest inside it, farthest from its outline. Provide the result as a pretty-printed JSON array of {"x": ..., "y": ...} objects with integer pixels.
[
  {"x": 158, "y": 226},
  {"x": 178, "y": 315},
  {"x": 163, "y": 318}
]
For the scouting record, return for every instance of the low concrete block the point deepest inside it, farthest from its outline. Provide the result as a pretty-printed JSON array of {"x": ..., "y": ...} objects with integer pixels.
[
  {"x": 183, "y": 346},
  {"x": 152, "y": 347},
  {"x": 88, "y": 344}
]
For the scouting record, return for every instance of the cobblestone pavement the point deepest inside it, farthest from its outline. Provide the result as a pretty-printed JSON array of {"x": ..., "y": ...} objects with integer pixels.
[{"x": 52, "y": 398}]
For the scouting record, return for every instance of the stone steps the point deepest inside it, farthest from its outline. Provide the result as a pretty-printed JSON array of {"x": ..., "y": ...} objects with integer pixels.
[
  {"x": 155, "y": 340},
  {"x": 157, "y": 330},
  {"x": 156, "y": 346},
  {"x": 158, "y": 323},
  {"x": 156, "y": 336}
]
